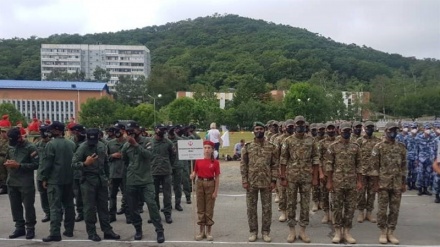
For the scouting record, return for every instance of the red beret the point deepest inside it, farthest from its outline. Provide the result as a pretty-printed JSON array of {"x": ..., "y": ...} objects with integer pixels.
[
  {"x": 210, "y": 143},
  {"x": 5, "y": 116}
]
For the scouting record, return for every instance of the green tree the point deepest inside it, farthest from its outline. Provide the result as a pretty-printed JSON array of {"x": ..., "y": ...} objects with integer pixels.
[
  {"x": 101, "y": 74},
  {"x": 131, "y": 91},
  {"x": 144, "y": 114},
  {"x": 98, "y": 112},
  {"x": 181, "y": 110}
]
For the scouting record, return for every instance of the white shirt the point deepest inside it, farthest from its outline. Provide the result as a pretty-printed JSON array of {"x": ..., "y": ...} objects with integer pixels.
[{"x": 214, "y": 135}]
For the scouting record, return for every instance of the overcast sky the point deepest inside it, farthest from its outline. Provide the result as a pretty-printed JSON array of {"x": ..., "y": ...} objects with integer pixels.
[{"x": 407, "y": 27}]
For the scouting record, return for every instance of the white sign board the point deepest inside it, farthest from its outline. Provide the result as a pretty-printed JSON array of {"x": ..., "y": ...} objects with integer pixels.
[{"x": 190, "y": 149}]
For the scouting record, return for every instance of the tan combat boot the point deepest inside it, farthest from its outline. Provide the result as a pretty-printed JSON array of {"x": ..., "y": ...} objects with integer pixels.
[
  {"x": 383, "y": 236},
  {"x": 283, "y": 216},
  {"x": 370, "y": 217},
  {"x": 252, "y": 237},
  {"x": 303, "y": 235},
  {"x": 348, "y": 237},
  {"x": 266, "y": 237},
  {"x": 208, "y": 234},
  {"x": 315, "y": 206},
  {"x": 361, "y": 216},
  {"x": 391, "y": 237},
  {"x": 337, "y": 238},
  {"x": 292, "y": 235},
  {"x": 201, "y": 235},
  {"x": 277, "y": 198},
  {"x": 325, "y": 218}
]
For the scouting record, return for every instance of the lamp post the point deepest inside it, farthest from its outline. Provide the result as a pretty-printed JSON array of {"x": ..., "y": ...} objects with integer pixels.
[{"x": 154, "y": 106}]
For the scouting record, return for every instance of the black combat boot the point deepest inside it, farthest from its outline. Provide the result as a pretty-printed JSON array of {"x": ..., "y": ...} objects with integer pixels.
[
  {"x": 420, "y": 191},
  {"x": 437, "y": 198},
  {"x": 426, "y": 191},
  {"x": 138, "y": 234},
  {"x": 160, "y": 237}
]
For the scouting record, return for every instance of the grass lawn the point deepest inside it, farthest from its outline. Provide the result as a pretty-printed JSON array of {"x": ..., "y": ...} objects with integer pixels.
[{"x": 234, "y": 137}]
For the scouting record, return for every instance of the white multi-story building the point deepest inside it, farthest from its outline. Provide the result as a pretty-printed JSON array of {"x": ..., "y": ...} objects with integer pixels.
[{"x": 118, "y": 60}]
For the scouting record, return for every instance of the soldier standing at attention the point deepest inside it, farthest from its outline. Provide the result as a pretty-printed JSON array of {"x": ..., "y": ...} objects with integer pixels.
[
  {"x": 389, "y": 170},
  {"x": 78, "y": 137},
  {"x": 137, "y": 158},
  {"x": 116, "y": 171},
  {"x": 179, "y": 131},
  {"x": 425, "y": 156},
  {"x": 299, "y": 171},
  {"x": 57, "y": 177},
  {"x": 367, "y": 196},
  {"x": 3, "y": 152},
  {"x": 164, "y": 155},
  {"x": 411, "y": 147},
  {"x": 357, "y": 130},
  {"x": 322, "y": 150},
  {"x": 177, "y": 168},
  {"x": 91, "y": 158},
  {"x": 207, "y": 171},
  {"x": 46, "y": 136},
  {"x": 21, "y": 161},
  {"x": 343, "y": 166},
  {"x": 259, "y": 173},
  {"x": 287, "y": 130},
  {"x": 319, "y": 130}
]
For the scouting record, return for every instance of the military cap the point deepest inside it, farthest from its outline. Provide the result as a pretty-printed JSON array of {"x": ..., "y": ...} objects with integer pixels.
[
  {"x": 314, "y": 126},
  {"x": 345, "y": 125},
  {"x": 257, "y": 123},
  {"x": 119, "y": 126},
  {"x": 192, "y": 126},
  {"x": 405, "y": 125},
  {"x": 368, "y": 123},
  {"x": 426, "y": 125},
  {"x": 44, "y": 128},
  {"x": 299, "y": 119},
  {"x": 56, "y": 125},
  {"x": 14, "y": 133},
  {"x": 275, "y": 122},
  {"x": 92, "y": 136},
  {"x": 111, "y": 129},
  {"x": 320, "y": 126},
  {"x": 161, "y": 127},
  {"x": 391, "y": 125},
  {"x": 437, "y": 124},
  {"x": 269, "y": 123},
  {"x": 281, "y": 123},
  {"x": 414, "y": 125},
  {"x": 289, "y": 122},
  {"x": 5, "y": 129},
  {"x": 77, "y": 127},
  {"x": 329, "y": 124},
  {"x": 132, "y": 125},
  {"x": 357, "y": 123}
]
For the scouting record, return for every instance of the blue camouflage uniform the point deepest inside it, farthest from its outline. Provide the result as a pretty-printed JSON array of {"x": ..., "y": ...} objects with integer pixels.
[
  {"x": 401, "y": 137},
  {"x": 411, "y": 155},
  {"x": 436, "y": 180},
  {"x": 426, "y": 151}
]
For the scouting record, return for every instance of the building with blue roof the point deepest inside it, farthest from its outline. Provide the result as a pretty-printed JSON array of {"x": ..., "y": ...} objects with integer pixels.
[{"x": 53, "y": 100}]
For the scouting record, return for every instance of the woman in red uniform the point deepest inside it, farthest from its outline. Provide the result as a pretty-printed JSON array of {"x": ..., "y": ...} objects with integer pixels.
[{"x": 207, "y": 171}]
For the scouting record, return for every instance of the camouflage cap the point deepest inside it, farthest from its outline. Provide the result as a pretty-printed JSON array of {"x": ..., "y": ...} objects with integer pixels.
[
  {"x": 368, "y": 123},
  {"x": 345, "y": 125},
  {"x": 299, "y": 119},
  {"x": 329, "y": 124},
  {"x": 357, "y": 123},
  {"x": 289, "y": 122},
  {"x": 321, "y": 126},
  {"x": 391, "y": 125},
  {"x": 5, "y": 129},
  {"x": 257, "y": 123},
  {"x": 414, "y": 125},
  {"x": 275, "y": 122},
  {"x": 427, "y": 125},
  {"x": 269, "y": 123},
  {"x": 281, "y": 123},
  {"x": 313, "y": 126}
]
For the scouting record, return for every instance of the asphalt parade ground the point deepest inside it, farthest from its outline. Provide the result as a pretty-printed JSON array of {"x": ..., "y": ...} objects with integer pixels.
[{"x": 418, "y": 225}]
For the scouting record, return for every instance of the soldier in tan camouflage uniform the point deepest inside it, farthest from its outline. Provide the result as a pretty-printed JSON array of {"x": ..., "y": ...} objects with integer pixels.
[
  {"x": 389, "y": 170},
  {"x": 259, "y": 172},
  {"x": 4, "y": 146},
  {"x": 299, "y": 171},
  {"x": 316, "y": 190},
  {"x": 322, "y": 150},
  {"x": 357, "y": 130},
  {"x": 343, "y": 165},
  {"x": 367, "y": 196},
  {"x": 282, "y": 205}
]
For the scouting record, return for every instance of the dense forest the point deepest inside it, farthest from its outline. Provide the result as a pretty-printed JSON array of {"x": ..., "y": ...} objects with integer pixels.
[{"x": 229, "y": 52}]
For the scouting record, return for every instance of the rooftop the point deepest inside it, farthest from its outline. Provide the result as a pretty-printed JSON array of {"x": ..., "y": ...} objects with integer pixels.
[{"x": 54, "y": 85}]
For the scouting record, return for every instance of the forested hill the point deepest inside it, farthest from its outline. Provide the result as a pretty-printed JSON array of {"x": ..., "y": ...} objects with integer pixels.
[{"x": 219, "y": 50}]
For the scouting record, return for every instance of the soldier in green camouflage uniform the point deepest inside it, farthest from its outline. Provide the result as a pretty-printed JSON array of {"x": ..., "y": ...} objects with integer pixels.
[
  {"x": 3, "y": 151},
  {"x": 41, "y": 145},
  {"x": 78, "y": 137},
  {"x": 344, "y": 172},
  {"x": 21, "y": 162},
  {"x": 322, "y": 150},
  {"x": 367, "y": 196},
  {"x": 319, "y": 130},
  {"x": 187, "y": 185},
  {"x": 389, "y": 172},
  {"x": 282, "y": 202},
  {"x": 299, "y": 171},
  {"x": 259, "y": 172},
  {"x": 177, "y": 170},
  {"x": 357, "y": 130},
  {"x": 91, "y": 158}
]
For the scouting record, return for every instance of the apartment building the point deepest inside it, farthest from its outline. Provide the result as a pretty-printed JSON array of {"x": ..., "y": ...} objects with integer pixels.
[{"x": 118, "y": 60}]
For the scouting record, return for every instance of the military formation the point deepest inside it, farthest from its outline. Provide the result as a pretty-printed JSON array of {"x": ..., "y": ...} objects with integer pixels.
[
  {"x": 79, "y": 177},
  {"x": 337, "y": 167}
]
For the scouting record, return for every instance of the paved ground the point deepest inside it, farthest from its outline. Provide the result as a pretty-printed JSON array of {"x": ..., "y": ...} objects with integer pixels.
[{"x": 419, "y": 224}]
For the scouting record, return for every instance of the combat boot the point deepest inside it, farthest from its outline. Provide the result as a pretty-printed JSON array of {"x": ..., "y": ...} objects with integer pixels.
[
  {"x": 437, "y": 198},
  {"x": 370, "y": 217},
  {"x": 277, "y": 198},
  {"x": 420, "y": 191},
  {"x": 266, "y": 237},
  {"x": 383, "y": 236},
  {"x": 361, "y": 216},
  {"x": 208, "y": 233},
  {"x": 292, "y": 235},
  {"x": 337, "y": 238},
  {"x": 201, "y": 234},
  {"x": 138, "y": 234},
  {"x": 303, "y": 235},
  {"x": 426, "y": 191},
  {"x": 325, "y": 218},
  {"x": 391, "y": 237},
  {"x": 252, "y": 237},
  {"x": 315, "y": 207},
  {"x": 348, "y": 237},
  {"x": 283, "y": 217}
]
